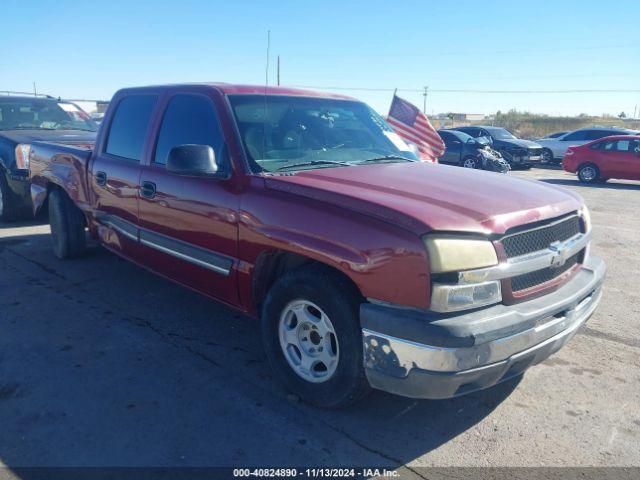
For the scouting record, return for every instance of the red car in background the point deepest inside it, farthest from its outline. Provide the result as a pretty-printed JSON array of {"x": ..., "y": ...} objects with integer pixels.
[{"x": 616, "y": 156}]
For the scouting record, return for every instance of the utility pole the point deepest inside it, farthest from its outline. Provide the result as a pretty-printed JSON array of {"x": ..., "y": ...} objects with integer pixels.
[
  {"x": 424, "y": 103},
  {"x": 35, "y": 93},
  {"x": 278, "y": 70}
]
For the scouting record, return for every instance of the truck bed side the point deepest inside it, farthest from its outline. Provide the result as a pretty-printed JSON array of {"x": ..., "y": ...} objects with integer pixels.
[{"x": 53, "y": 165}]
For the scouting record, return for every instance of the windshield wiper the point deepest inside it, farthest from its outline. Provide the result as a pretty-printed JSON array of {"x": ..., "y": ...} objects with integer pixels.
[
  {"x": 384, "y": 158},
  {"x": 311, "y": 163}
]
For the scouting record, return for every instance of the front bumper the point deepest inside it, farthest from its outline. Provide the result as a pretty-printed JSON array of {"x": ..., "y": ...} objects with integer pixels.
[{"x": 420, "y": 354}]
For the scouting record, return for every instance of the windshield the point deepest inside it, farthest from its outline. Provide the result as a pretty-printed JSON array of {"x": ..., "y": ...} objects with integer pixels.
[
  {"x": 500, "y": 133},
  {"x": 295, "y": 133},
  {"x": 43, "y": 114}
]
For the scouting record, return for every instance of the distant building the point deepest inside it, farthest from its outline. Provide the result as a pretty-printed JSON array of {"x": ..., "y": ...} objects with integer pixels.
[{"x": 462, "y": 117}]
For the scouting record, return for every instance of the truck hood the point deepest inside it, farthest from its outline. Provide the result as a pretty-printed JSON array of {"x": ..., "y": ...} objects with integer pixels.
[
  {"x": 72, "y": 137},
  {"x": 424, "y": 197}
]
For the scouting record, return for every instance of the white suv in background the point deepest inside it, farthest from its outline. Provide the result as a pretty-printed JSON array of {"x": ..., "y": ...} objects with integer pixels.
[{"x": 555, "y": 148}]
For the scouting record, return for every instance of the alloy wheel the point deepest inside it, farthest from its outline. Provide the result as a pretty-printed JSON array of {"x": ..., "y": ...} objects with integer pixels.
[
  {"x": 588, "y": 173},
  {"x": 469, "y": 163},
  {"x": 308, "y": 341}
]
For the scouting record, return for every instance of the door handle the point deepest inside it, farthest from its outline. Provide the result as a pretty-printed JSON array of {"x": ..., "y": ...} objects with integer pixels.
[
  {"x": 101, "y": 178},
  {"x": 148, "y": 189}
]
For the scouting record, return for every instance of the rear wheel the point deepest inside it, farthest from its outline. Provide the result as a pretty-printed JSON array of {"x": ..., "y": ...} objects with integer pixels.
[
  {"x": 67, "y": 226},
  {"x": 312, "y": 337},
  {"x": 588, "y": 173}
]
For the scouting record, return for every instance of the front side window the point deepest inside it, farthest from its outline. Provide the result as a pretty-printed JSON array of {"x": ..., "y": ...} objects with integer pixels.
[
  {"x": 128, "y": 129},
  {"x": 282, "y": 133},
  {"x": 188, "y": 119},
  {"x": 43, "y": 114}
]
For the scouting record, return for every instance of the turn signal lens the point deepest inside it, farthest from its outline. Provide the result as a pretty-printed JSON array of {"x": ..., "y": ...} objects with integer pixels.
[
  {"x": 452, "y": 298},
  {"x": 23, "y": 151}
]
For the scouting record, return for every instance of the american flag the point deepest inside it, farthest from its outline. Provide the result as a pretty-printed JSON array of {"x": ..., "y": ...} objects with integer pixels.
[{"x": 414, "y": 126}]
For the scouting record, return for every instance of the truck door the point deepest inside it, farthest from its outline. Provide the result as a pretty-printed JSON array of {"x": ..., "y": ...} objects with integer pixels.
[
  {"x": 189, "y": 224},
  {"x": 115, "y": 172}
]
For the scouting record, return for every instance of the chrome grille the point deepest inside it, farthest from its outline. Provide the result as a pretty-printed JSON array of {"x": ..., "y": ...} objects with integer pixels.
[
  {"x": 540, "y": 238},
  {"x": 535, "y": 152},
  {"x": 528, "y": 280}
]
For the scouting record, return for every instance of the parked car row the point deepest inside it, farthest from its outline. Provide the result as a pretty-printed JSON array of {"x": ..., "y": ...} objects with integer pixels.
[
  {"x": 607, "y": 153},
  {"x": 554, "y": 148}
]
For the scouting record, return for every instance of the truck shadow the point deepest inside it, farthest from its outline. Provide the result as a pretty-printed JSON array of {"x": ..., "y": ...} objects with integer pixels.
[{"x": 125, "y": 368}]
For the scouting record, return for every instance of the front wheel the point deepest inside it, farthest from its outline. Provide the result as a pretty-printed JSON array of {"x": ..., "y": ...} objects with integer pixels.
[
  {"x": 67, "y": 226},
  {"x": 470, "y": 162},
  {"x": 588, "y": 173},
  {"x": 547, "y": 155},
  {"x": 312, "y": 337}
]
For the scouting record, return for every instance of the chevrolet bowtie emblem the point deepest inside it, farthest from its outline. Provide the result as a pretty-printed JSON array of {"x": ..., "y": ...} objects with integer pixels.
[{"x": 559, "y": 257}]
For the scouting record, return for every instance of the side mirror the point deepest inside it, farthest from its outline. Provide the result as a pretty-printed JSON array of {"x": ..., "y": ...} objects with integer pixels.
[{"x": 192, "y": 160}]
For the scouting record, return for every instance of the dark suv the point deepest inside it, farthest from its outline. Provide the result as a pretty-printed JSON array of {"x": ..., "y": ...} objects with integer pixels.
[
  {"x": 516, "y": 151},
  {"x": 24, "y": 120}
]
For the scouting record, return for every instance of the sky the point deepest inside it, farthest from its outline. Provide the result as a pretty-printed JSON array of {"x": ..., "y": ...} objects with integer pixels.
[{"x": 80, "y": 49}]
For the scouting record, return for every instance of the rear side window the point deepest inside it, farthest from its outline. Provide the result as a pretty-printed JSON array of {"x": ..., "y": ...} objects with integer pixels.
[
  {"x": 596, "y": 134},
  {"x": 129, "y": 126},
  {"x": 189, "y": 119},
  {"x": 578, "y": 136}
]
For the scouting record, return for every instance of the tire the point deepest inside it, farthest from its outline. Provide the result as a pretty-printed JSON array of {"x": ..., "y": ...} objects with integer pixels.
[
  {"x": 588, "y": 173},
  {"x": 67, "y": 226},
  {"x": 311, "y": 291},
  {"x": 547, "y": 155},
  {"x": 469, "y": 162}
]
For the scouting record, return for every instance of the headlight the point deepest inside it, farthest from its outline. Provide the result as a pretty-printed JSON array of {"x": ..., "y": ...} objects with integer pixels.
[
  {"x": 454, "y": 254},
  {"x": 22, "y": 156},
  {"x": 450, "y": 254}
]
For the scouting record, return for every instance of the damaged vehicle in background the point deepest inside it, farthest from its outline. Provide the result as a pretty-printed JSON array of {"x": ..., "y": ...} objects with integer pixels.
[
  {"x": 517, "y": 151},
  {"x": 463, "y": 150},
  {"x": 362, "y": 266},
  {"x": 28, "y": 119}
]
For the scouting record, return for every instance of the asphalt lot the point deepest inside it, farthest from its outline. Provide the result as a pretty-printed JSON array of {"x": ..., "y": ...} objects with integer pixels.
[{"x": 102, "y": 363}]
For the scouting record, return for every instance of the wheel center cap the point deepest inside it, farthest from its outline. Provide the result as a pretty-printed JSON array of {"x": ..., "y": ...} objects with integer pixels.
[{"x": 315, "y": 337}]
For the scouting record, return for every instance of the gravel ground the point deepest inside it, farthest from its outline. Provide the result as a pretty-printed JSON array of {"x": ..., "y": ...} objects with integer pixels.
[{"x": 102, "y": 363}]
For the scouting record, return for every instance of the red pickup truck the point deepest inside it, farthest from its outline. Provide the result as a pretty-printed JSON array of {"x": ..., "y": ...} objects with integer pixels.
[{"x": 365, "y": 267}]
